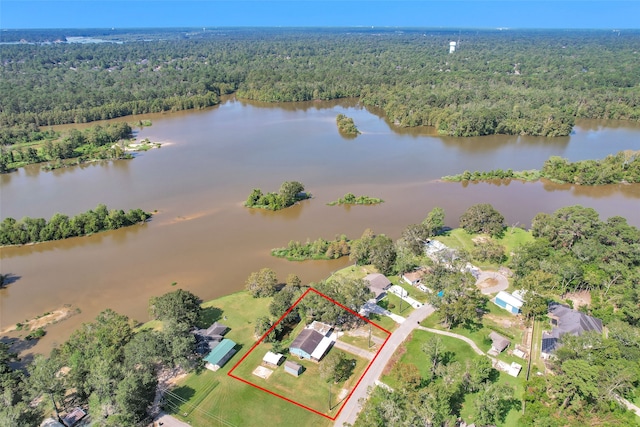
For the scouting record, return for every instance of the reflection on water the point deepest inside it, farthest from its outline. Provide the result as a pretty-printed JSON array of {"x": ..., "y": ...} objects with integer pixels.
[{"x": 205, "y": 240}]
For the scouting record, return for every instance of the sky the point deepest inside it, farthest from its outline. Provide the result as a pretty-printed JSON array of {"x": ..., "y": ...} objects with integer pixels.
[{"x": 313, "y": 13}]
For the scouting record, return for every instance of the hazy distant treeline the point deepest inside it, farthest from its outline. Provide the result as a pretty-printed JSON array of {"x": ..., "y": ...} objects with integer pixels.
[{"x": 511, "y": 82}]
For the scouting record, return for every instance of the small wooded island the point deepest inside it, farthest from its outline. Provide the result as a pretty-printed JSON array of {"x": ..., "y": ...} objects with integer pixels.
[
  {"x": 624, "y": 167},
  {"x": 346, "y": 126},
  {"x": 351, "y": 199},
  {"x": 34, "y": 230},
  {"x": 318, "y": 249},
  {"x": 290, "y": 193}
]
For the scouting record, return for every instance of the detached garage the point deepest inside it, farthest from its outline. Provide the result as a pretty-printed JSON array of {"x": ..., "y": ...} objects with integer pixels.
[{"x": 508, "y": 302}]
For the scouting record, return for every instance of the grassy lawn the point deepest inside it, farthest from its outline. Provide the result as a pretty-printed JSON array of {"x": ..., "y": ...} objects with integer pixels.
[
  {"x": 461, "y": 352},
  {"x": 460, "y": 239},
  {"x": 393, "y": 303},
  {"x": 309, "y": 389}
]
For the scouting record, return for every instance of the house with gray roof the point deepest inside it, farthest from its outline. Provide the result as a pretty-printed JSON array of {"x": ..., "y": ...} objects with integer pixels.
[
  {"x": 565, "y": 320},
  {"x": 378, "y": 284},
  {"x": 310, "y": 344},
  {"x": 498, "y": 343}
]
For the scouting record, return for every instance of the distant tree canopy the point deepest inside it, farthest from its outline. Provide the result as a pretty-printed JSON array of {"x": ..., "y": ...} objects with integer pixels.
[
  {"x": 290, "y": 192},
  {"x": 32, "y": 230},
  {"x": 512, "y": 82}
]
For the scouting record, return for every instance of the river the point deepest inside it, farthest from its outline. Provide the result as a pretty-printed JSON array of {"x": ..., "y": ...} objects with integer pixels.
[{"x": 204, "y": 239}]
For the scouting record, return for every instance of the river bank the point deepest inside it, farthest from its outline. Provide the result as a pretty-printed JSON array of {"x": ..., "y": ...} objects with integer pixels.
[{"x": 219, "y": 155}]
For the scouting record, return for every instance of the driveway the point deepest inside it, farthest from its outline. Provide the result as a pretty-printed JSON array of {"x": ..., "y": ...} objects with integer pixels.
[
  {"x": 351, "y": 409},
  {"x": 491, "y": 282}
]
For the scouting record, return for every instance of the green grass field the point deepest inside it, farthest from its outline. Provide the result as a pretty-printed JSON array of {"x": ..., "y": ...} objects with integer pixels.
[{"x": 460, "y": 239}]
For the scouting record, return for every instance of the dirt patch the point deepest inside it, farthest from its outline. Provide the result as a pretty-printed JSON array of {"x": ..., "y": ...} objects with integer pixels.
[
  {"x": 503, "y": 322},
  {"x": 262, "y": 372},
  {"x": 579, "y": 298},
  {"x": 487, "y": 283},
  {"x": 479, "y": 240},
  {"x": 46, "y": 319},
  {"x": 396, "y": 357}
]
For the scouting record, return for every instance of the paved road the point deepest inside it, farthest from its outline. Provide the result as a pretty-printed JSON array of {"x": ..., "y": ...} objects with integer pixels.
[
  {"x": 350, "y": 411},
  {"x": 165, "y": 420}
]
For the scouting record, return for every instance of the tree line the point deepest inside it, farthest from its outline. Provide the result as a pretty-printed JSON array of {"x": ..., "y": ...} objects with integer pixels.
[
  {"x": 623, "y": 167},
  {"x": 60, "y": 226},
  {"x": 352, "y": 199},
  {"x": 96, "y": 142},
  {"x": 513, "y": 82}
]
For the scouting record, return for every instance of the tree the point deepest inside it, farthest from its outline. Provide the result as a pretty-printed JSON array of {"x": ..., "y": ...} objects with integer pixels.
[
  {"x": 535, "y": 305},
  {"x": 493, "y": 404},
  {"x": 414, "y": 237},
  {"x": 434, "y": 349},
  {"x": 133, "y": 396},
  {"x": 488, "y": 250},
  {"x": 180, "y": 306},
  {"x": 45, "y": 379},
  {"x": 434, "y": 222},
  {"x": 289, "y": 190},
  {"x": 382, "y": 253},
  {"x": 336, "y": 367},
  {"x": 482, "y": 218},
  {"x": 262, "y": 283},
  {"x": 360, "y": 248}
]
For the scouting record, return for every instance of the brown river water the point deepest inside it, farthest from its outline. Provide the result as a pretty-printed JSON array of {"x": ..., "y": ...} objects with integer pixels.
[{"x": 206, "y": 241}]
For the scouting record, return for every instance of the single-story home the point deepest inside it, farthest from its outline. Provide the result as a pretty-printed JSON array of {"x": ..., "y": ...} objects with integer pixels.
[
  {"x": 272, "y": 358},
  {"x": 508, "y": 302},
  {"x": 215, "y": 332},
  {"x": 565, "y": 320},
  {"x": 220, "y": 354},
  {"x": 414, "y": 278},
  {"x": 378, "y": 284},
  {"x": 498, "y": 343},
  {"x": 292, "y": 368},
  {"x": 310, "y": 344}
]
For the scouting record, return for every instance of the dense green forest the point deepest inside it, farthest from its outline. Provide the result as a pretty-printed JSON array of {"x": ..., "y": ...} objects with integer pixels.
[
  {"x": 623, "y": 167},
  {"x": 33, "y": 230},
  {"x": 513, "y": 82}
]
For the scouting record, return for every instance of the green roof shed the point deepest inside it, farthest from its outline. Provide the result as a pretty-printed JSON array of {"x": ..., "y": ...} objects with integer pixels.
[{"x": 220, "y": 354}]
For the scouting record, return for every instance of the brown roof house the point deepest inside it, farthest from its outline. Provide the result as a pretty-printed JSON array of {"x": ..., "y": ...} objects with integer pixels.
[
  {"x": 378, "y": 284},
  {"x": 499, "y": 343}
]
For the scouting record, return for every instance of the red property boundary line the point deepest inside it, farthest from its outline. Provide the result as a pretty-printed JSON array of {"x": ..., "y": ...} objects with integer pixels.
[{"x": 230, "y": 373}]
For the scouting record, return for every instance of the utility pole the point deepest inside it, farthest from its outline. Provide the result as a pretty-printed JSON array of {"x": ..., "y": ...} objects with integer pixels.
[{"x": 369, "y": 334}]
